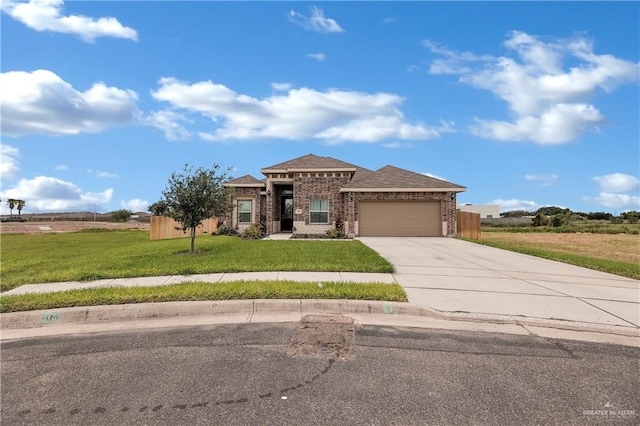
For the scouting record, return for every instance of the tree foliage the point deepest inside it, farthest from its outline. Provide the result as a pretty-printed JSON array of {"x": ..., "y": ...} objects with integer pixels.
[
  {"x": 192, "y": 196},
  {"x": 159, "y": 208},
  {"x": 121, "y": 215}
]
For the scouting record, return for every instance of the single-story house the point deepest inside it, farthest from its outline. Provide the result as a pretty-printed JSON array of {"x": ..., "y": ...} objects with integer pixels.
[{"x": 312, "y": 194}]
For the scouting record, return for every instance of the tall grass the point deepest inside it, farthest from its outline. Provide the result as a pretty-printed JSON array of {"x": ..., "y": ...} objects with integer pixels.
[
  {"x": 625, "y": 269},
  {"x": 571, "y": 228}
]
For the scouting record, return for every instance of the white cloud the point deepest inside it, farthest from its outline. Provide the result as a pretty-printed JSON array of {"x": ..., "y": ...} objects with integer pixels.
[
  {"x": 547, "y": 180},
  {"x": 515, "y": 204},
  {"x": 619, "y": 201},
  {"x": 46, "y": 15},
  {"x": 618, "y": 182},
  {"x": 135, "y": 205},
  {"x": 40, "y": 102},
  {"x": 389, "y": 20},
  {"x": 560, "y": 124},
  {"x": 396, "y": 144},
  {"x": 107, "y": 175},
  {"x": 334, "y": 116},
  {"x": 170, "y": 122},
  {"x": 549, "y": 103},
  {"x": 281, "y": 87},
  {"x": 61, "y": 167},
  {"x": 44, "y": 193},
  {"x": 316, "y": 22},
  {"x": 618, "y": 190},
  {"x": 320, "y": 57},
  {"x": 9, "y": 168}
]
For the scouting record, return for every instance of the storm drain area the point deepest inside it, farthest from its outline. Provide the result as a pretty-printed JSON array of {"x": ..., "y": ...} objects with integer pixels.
[{"x": 324, "y": 336}]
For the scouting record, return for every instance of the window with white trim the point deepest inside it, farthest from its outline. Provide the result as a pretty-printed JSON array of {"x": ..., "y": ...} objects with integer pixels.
[
  {"x": 319, "y": 211},
  {"x": 244, "y": 211}
]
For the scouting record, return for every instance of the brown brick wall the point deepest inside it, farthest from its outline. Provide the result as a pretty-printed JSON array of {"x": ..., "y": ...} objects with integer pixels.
[
  {"x": 325, "y": 187},
  {"x": 245, "y": 193}
]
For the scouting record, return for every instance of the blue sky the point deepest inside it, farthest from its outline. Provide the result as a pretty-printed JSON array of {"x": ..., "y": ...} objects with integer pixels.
[{"x": 525, "y": 104}]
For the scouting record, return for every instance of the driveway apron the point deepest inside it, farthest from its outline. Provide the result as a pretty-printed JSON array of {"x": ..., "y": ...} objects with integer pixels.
[{"x": 451, "y": 275}]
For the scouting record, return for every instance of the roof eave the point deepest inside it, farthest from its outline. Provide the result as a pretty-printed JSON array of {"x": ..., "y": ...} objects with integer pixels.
[
  {"x": 244, "y": 185},
  {"x": 458, "y": 189}
]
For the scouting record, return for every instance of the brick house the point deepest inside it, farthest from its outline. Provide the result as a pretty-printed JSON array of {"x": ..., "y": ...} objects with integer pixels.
[{"x": 310, "y": 194}]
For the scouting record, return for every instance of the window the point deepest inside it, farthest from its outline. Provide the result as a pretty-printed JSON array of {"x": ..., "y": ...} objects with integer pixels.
[
  {"x": 319, "y": 211},
  {"x": 244, "y": 211}
]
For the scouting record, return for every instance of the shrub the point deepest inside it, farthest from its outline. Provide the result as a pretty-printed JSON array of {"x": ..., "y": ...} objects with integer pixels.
[
  {"x": 557, "y": 220},
  {"x": 253, "y": 232},
  {"x": 333, "y": 233},
  {"x": 121, "y": 215},
  {"x": 225, "y": 229},
  {"x": 540, "y": 219}
]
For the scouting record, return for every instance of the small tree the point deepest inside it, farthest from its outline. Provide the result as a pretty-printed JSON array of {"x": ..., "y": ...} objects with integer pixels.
[
  {"x": 196, "y": 195},
  {"x": 557, "y": 220},
  {"x": 20, "y": 205},
  {"x": 121, "y": 215},
  {"x": 540, "y": 219},
  {"x": 159, "y": 208}
]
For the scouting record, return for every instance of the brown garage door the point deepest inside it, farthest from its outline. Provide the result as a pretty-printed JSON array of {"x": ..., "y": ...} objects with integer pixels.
[{"x": 400, "y": 219}]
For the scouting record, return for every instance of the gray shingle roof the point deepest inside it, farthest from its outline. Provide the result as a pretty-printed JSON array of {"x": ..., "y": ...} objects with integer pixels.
[
  {"x": 245, "y": 180},
  {"x": 390, "y": 177},
  {"x": 311, "y": 161}
]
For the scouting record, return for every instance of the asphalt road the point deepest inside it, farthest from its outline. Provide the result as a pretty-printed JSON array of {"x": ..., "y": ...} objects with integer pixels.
[{"x": 319, "y": 372}]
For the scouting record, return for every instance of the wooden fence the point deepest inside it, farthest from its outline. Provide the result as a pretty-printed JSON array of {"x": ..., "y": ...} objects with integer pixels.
[
  {"x": 468, "y": 225},
  {"x": 163, "y": 227}
]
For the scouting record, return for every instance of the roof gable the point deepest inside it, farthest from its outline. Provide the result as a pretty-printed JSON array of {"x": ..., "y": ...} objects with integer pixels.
[
  {"x": 397, "y": 179},
  {"x": 310, "y": 162},
  {"x": 246, "y": 180}
]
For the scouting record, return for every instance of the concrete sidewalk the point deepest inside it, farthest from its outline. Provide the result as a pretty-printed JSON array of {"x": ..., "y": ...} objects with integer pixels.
[{"x": 209, "y": 278}]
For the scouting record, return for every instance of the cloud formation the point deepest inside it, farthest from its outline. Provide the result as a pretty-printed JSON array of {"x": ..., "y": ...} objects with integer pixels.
[
  {"x": 618, "y": 182},
  {"x": 316, "y": 22},
  {"x": 617, "y": 190},
  {"x": 9, "y": 162},
  {"x": 46, "y": 15},
  {"x": 44, "y": 194},
  {"x": 550, "y": 104},
  {"x": 333, "y": 116},
  {"x": 320, "y": 57},
  {"x": 515, "y": 204},
  {"x": 40, "y": 102},
  {"x": 135, "y": 205}
]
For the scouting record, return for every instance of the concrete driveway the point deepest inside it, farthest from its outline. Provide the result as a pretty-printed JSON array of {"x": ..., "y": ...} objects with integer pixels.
[{"x": 451, "y": 275}]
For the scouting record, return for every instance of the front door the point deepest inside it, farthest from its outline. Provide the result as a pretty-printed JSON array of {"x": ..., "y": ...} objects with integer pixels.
[{"x": 286, "y": 213}]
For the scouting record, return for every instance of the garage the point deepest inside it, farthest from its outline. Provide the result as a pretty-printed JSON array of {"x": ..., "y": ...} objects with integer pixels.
[{"x": 400, "y": 219}]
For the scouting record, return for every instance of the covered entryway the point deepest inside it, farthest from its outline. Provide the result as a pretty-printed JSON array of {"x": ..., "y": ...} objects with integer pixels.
[{"x": 400, "y": 219}]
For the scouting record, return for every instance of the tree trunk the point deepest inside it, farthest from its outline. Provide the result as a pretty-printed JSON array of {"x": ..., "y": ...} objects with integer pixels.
[{"x": 193, "y": 240}]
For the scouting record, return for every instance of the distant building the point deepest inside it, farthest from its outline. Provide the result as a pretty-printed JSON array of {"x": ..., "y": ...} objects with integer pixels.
[{"x": 486, "y": 211}]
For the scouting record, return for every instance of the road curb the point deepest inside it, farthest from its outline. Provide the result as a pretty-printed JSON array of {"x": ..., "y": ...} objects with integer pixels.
[{"x": 167, "y": 310}]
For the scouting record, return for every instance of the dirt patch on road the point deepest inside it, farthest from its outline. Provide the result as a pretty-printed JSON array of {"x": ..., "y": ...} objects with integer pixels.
[
  {"x": 620, "y": 247},
  {"x": 45, "y": 227}
]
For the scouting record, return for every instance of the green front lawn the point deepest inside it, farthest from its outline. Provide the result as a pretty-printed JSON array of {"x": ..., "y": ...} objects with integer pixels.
[
  {"x": 203, "y": 291},
  {"x": 92, "y": 255}
]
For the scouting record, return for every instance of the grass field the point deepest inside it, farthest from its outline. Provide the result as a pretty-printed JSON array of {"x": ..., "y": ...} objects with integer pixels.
[
  {"x": 615, "y": 253},
  {"x": 204, "y": 291},
  {"x": 92, "y": 255}
]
